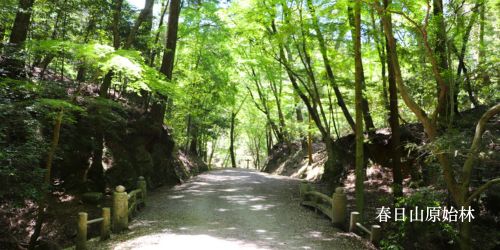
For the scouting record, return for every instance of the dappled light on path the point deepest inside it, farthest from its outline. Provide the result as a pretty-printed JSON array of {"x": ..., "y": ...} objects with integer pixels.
[
  {"x": 231, "y": 209},
  {"x": 176, "y": 241}
]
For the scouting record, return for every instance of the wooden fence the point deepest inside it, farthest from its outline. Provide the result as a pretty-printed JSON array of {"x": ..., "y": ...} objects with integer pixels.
[
  {"x": 335, "y": 208},
  {"x": 124, "y": 207},
  {"x": 375, "y": 233}
]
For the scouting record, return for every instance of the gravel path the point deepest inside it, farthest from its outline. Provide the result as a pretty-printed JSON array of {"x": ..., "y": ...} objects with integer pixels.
[{"x": 230, "y": 209}]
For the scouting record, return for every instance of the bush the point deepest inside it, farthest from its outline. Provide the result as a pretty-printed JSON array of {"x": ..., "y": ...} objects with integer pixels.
[{"x": 420, "y": 235}]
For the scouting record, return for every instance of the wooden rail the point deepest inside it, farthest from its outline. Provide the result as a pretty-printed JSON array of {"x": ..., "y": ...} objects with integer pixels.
[
  {"x": 335, "y": 208},
  {"x": 124, "y": 206},
  {"x": 105, "y": 220},
  {"x": 375, "y": 233}
]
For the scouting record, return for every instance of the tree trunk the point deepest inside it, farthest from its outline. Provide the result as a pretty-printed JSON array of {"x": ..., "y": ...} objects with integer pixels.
[
  {"x": 461, "y": 63},
  {"x": 397, "y": 182},
  {"x": 96, "y": 170},
  {"x": 328, "y": 68},
  {"x": 231, "y": 140},
  {"x": 381, "y": 49},
  {"x": 364, "y": 103},
  {"x": 193, "y": 145},
  {"x": 106, "y": 83},
  {"x": 22, "y": 22},
  {"x": 309, "y": 143},
  {"x": 2, "y": 35},
  {"x": 465, "y": 232},
  {"x": 482, "y": 47},
  {"x": 47, "y": 179},
  {"x": 441, "y": 51},
  {"x": 212, "y": 151},
  {"x": 167, "y": 65},
  {"x": 146, "y": 13},
  {"x": 80, "y": 76},
  {"x": 269, "y": 140},
  {"x": 333, "y": 166},
  {"x": 360, "y": 161},
  {"x": 116, "y": 23},
  {"x": 154, "y": 51}
]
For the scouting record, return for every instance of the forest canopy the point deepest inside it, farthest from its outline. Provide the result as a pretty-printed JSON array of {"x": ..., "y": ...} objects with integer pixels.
[{"x": 96, "y": 93}]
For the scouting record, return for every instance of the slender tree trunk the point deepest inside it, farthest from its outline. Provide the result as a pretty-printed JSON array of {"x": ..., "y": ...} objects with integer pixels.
[
  {"x": 167, "y": 65},
  {"x": 269, "y": 139},
  {"x": 154, "y": 51},
  {"x": 397, "y": 182},
  {"x": 231, "y": 140},
  {"x": 96, "y": 170},
  {"x": 257, "y": 153},
  {"x": 309, "y": 143},
  {"x": 212, "y": 151},
  {"x": 80, "y": 75},
  {"x": 441, "y": 51},
  {"x": 193, "y": 145},
  {"x": 146, "y": 13},
  {"x": 281, "y": 118},
  {"x": 381, "y": 49},
  {"x": 333, "y": 168},
  {"x": 360, "y": 161},
  {"x": 264, "y": 107},
  {"x": 117, "y": 13},
  {"x": 328, "y": 68},
  {"x": 106, "y": 82},
  {"x": 461, "y": 64},
  {"x": 2, "y": 36},
  {"x": 482, "y": 46},
  {"x": 364, "y": 103},
  {"x": 47, "y": 179}
]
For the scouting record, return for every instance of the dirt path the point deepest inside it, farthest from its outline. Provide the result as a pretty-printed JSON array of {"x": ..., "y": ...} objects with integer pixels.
[{"x": 231, "y": 209}]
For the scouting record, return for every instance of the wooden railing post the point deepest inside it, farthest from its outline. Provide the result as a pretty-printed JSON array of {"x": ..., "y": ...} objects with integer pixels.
[
  {"x": 376, "y": 234},
  {"x": 353, "y": 221},
  {"x": 120, "y": 209},
  {"x": 339, "y": 206},
  {"x": 304, "y": 187},
  {"x": 141, "y": 184},
  {"x": 81, "y": 235},
  {"x": 106, "y": 223}
]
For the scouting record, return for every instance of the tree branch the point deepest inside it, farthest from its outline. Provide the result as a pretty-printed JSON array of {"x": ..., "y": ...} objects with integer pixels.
[
  {"x": 483, "y": 188},
  {"x": 474, "y": 149}
]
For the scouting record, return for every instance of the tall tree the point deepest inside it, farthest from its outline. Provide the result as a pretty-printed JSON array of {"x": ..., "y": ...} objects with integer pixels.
[
  {"x": 164, "y": 8},
  {"x": 459, "y": 190},
  {"x": 364, "y": 102},
  {"x": 145, "y": 16},
  {"x": 328, "y": 67},
  {"x": 358, "y": 65},
  {"x": 441, "y": 52},
  {"x": 117, "y": 14},
  {"x": 307, "y": 89},
  {"x": 22, "y": 22},
  {"x": 397, "y": 176},
  {"x": 167, "y": 65}
]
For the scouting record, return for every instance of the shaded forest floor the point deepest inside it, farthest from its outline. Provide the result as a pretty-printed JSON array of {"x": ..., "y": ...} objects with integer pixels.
[
  {"x": 17, "y": 220},
  {"x": 422, "y": 177}
]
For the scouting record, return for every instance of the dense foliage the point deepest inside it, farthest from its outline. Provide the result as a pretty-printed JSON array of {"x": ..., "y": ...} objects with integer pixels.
[{"x": 95, "y": 93}]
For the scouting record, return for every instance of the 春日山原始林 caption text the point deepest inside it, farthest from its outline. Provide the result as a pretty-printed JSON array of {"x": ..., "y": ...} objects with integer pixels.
[{"x": 430, "y": 214}]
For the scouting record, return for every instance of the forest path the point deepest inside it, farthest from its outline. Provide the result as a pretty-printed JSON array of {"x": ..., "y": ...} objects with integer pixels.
[{"x": 230, "y": 209}]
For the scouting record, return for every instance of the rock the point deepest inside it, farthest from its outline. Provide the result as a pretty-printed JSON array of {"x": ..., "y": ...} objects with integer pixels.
[{"x": 92, "y": 197}]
